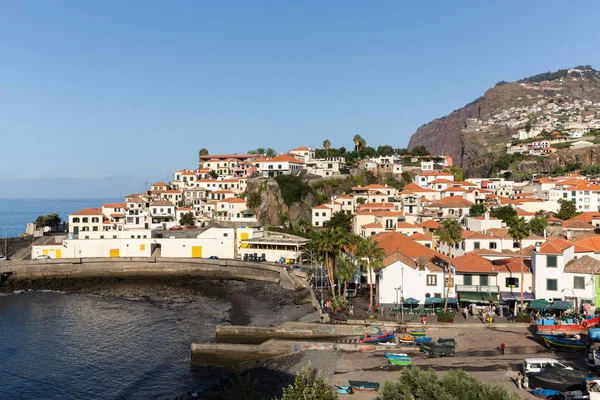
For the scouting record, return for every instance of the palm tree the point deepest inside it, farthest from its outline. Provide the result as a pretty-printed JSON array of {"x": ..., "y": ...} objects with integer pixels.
[
  {"x": 284, "y": 220},
  {"x": 344, "y": 271},
  {"x": 327, "y": 245},
  {"x": 270, "y": 152},
  {"x": 449, "y": 233},
  {"x": 369, "y": 249},
  {"x": 359, "y": 142},
  {"x": 326, "y": 145},
  {"x": 303, "y": 225},
  {"x": 519, "y": 230}
]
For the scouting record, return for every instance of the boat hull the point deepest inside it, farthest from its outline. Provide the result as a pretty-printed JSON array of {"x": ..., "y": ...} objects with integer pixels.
[
  {"x": 594, "y": 334},
  {"x": 425, "y": 339},
  {"x": 544, "y": 393},
  {"x": 364, "y": 386},
  {"x": 570, "y": 329},
  {"x": 402, "y": 362},
  {"x": 376, "y": 339},
  {"x": 564, "y": 344},
  {"x": 437, "y": 350},
  {"x": 417, "y": 333}
]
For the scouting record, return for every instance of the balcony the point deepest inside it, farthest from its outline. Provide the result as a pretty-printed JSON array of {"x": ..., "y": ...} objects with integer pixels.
[{"x": 478, "y": 288}]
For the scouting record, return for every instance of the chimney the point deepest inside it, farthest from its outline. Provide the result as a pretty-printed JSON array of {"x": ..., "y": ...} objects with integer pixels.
[{"x": 537, "y": 247}]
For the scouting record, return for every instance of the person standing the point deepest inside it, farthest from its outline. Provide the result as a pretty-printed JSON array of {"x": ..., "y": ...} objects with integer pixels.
[
  {"x": 502, "y": 347},
  {"x": 526, "y": 382},
  {"x": 519, "y": 380},
  {"x": 423, "y": 319},
  {"x": 466, "y": 312},
  {"x": 351, "y": 309}
]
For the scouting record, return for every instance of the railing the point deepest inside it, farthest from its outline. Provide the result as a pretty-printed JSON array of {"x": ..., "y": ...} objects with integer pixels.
[{"x": 478, "y": 288}]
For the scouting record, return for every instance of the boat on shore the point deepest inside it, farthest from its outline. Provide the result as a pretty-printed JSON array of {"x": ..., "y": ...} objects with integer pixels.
[
  {"x": 558, "y": 379},
  {"x": 364, "y": 386},
  {"x": 564, "y": 343},
  {"x": 557, "y": 327},
  {"x": 380, "y": 337},
  {"x": 448, "y": 341},
  {"x": 417, "y": 332},
  {"x": 344, "y": 389},
  {"x": 438, "y": 350},
  {"x": 594, "y": 334},
  {"x": 401, "y": 362},
  {"x": 545, "y": 393},
  {"x": 423, "y": 339}
]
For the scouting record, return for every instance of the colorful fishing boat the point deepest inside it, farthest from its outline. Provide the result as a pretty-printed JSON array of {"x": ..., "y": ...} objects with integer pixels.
[
  {"x": 344, "y": 389},
  {"x": 407, "y": 339},
  {"x": 594, "y": 334},
  {"x": 557, "y": 327},
  {"x": 424, "y": 339},
  {"x": 401, "y": 362},
  {"x": 364, "y": 386},
  {"x": 380, "y": 337},
  {"x": 417, "y": 332},
  {"x": 545, "y": 393},
  {"x": 564, "y": 343},
  {"x": 396, "y": 355}
]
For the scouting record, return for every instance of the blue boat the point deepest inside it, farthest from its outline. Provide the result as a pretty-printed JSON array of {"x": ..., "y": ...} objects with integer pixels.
[
  {"x": 564, "y": 343},
  {"x": 396, "y": 355},
  {"x": 344, "y": 390},
  {"x": 424, "y": 339},
  {"x": 545, "y": 393},
  {"x": 594, "y": 334}
]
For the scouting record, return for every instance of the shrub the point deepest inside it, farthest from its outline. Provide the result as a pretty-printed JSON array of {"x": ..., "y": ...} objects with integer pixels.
[
  {"x": 446, "y": 316},
  {"x": 309, "y": 386}
]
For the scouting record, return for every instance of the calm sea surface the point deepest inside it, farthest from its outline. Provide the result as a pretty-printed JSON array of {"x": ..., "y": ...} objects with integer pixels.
[
  {"x": 72, "y": 346},
  {"x": 15, "y": 214}
]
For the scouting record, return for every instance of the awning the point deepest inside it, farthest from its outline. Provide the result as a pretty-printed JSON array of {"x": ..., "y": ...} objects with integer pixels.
[
  {"x": 539, "y": 304},
  {"x": 433, "y": 300},
  {"x": 515, "y": 296},
  {"x": 411, "y": 301},
  {"x": 478, "y": 297},
  {"x": 560, "y": 305}
]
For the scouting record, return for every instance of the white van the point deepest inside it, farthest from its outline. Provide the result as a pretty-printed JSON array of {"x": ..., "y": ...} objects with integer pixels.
[{"x": 537, "y": 364}]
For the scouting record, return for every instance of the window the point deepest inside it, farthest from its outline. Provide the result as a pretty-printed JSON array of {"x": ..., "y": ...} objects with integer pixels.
[
  {"x": 225, "y": 234},
  {"x": 551, "y": 284},
  {"x": 476, "y": 245},
  {"x": 431, "y": 280},
  {"x": 95, "y": 228},
  {"x": 84, "y": 220},
  {"x": 484, "y": 280},
  {"x": 578, "y": 282},
  {"x": 323, "y": 214},
  {"x": 468, "y": 279},
  {"x": 493, "y": 245},
  {"x": 75, "y": 220},
  {"x": 512, "y": 282},
  {"x": 565, "y": 195},
  {"x": 316, "y": 223},
  {"x": 551, "y": 261}
]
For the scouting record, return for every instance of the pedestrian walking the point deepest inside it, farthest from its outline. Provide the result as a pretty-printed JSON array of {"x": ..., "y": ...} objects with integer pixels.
[
  {"x": 502, "y": 347},
  {"x": 519, "y": 380},
  {"x": 369, "y": 308},
  {"x": 423, "y": 319},
  {"x": 466, "y": 312},
  {"x": 526, "y": 382},
  {"x": 351, "y": 309}
]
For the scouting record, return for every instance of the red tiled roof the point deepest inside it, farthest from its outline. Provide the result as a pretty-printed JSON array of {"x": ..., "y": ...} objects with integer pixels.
[
  {"x": 451, "y": 202},
  {"x": 114, "y": 205},
  {"x": 583, "y": 265},
  {"x": 473, "y": 263},
  {"x": 420, "y": 237},
  {"x": 160, "y": 184},
  {"x": 88, "y": 211}
]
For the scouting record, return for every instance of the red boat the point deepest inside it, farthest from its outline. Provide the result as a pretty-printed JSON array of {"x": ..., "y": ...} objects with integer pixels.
[
  {"x": 381, "y": 337},
  {"x": 568, "y": 329}
]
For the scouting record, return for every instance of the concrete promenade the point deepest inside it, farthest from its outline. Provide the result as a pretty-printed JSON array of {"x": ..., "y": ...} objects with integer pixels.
[{"x": 152, "y": 267}]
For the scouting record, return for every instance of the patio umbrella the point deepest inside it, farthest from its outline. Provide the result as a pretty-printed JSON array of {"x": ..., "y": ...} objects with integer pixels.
[
  {"x": 560, "y": 305},
  {"x": 411, "y": 301},
  {"x": 539, "y": 304}
]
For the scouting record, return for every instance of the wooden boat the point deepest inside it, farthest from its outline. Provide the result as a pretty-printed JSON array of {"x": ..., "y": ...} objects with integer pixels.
[
  {"x": 567, "y": 328},
  {"x": 381, "y": 337},
  {"x": 364, "y": 386},
  {"x": 564, "y": 344},
  {"x": 407, "y": 339},
  {"x": 344, "y": 389},
  {"x": 558, "y": 379},
  {"x": 449, "y": 341},
  {"x": 594, "y": 334},
  {"x": 423, "y": 339},
  {"x": 401, "y": 362},
  {"x": 396, "y": 355},
  {"x": 438, "y": 350},
  {"x": 545, "y": 393},
  {"x": 417, "y": 332}
]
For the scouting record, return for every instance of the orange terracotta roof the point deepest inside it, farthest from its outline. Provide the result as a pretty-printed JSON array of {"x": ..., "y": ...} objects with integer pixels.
[
  {"x": 405, "y": 225},
  {"x": 300, "y": 149},
  {"x": 114, "y": 205},
  {"x": 435, "y": 173},
  {"x": 160, "y": 184},
  {"x": 395, "y": 241},
  {"x": 322, "y": 207},
  {"x": 512, "y": 265},
  {"x": 583, "y": 265},
  {"x": 452, "y": 202},
  {"x": 233, "y": 200},
  {"x": 482, "y": 217},
  {"x": 586, "y": 216},
  {"x": 420, "y": 237},
  {"x": 117, "y": 215},
  {"x": 473, "y": 263},
  {"x": 593, "y": 242},
  {"x": 373, "y": 225},
  {"x": 88, "y": 211},
  {"x": 558, "y": 245},
  {"x": 468, "y": 235},
  {"x": 162, "y": 203},
  {"x": 442, "y": 180},
  {"x": 281, "y": 158},
  {"x": 430, "y": 224}
]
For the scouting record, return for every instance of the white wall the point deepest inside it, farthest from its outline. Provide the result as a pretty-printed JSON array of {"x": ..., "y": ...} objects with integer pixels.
[
  {"x": 413, "y": 281},
  {"x": 87, "y": 248}
]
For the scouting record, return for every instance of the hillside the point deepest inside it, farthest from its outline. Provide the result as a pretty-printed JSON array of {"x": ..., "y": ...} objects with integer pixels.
[{"x": 567, "y": 101}]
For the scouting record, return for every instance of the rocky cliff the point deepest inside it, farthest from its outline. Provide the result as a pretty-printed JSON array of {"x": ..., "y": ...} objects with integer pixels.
[
  {"x": 272, "y": 204},
  {"x": 479, "y": 132}
]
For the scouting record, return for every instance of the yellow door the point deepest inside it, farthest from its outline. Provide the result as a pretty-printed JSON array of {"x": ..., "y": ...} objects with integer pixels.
[
  {"x": 142, "y": 247},
  {"x": 114, "y": 253},
  {"x": 196, "y": 251},
  {"x": 244, "y": 236},
  {"x": 58, "y": 253},
  {"x": 45, "y": 252}
]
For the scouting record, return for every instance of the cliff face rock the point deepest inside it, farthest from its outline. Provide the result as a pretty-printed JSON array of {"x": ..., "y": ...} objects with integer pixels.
[
  {"x": 477, "y": 133},
  {"x": 272, "y": 204}
]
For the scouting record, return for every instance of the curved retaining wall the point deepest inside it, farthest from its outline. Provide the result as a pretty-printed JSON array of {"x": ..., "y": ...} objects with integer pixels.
[{"x": 149, "y": 267}]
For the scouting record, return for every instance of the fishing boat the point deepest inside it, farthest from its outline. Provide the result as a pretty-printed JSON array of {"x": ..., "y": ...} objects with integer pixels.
[
  {"x": 438, "y": 350},
  {"x": 564, "y": 343},
  {"x": 389, "y": 344},
  {"x": 407, "y": 339},
  {"x": 557, "y": 327},
  {"x": 396, "y": 355},
  {"x": 344, "y": 389},
  {"x": 364, "y": 386},
  {"x": 424, "y": 339},
  {"x": 594, "y": 334},
  {"x": 401, "y": 362},
  {"x": 449, "y": 341},
  {"x": 380, "y": 337},
  {"x": 417, "y": 332},
  {"x": 545, "y": 393}
]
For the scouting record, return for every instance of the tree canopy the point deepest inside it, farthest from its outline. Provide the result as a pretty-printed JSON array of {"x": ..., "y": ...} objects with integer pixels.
[
  {"x": 340, "y": 220},
  {"x": 187, "y": 219},
  {"x": 505, "y": 213},
  {"x": 293, "y": 188},
  {"x": 476, "y": 210},
  {"x": 50, "y": 220},
  {"x": 458, "y": 172},
  {"x": 567, "y": 209},
  {"x": 203, "y": 152},
  {"x": 449, "y": 233}
]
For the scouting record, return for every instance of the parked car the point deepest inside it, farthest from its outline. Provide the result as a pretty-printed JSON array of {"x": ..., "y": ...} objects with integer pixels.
[
  {"x": 213, "y": 258},
  {"x": 537, "y": 364},
  {"x": 352, "y": 289},
  {"x": 175, "y": 228},
  {"x": 42, "y": 257}
]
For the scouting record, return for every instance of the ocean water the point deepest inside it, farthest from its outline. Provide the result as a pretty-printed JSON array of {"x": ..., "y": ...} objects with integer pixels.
[
  {"x": 15, "y": 214},
  {"x": 73, "y": 346}
]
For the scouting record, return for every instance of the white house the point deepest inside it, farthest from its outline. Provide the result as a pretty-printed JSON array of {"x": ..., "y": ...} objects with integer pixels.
[
  {"x": 281, "y": 165},
  {"x": 86, "y": 220},
  {"x": 163, "y": 214},
  {"x": 304, "y": 154}
]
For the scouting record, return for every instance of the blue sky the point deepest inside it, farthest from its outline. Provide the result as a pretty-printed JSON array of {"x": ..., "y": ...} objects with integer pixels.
[{"x": 98, "y": 98}]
